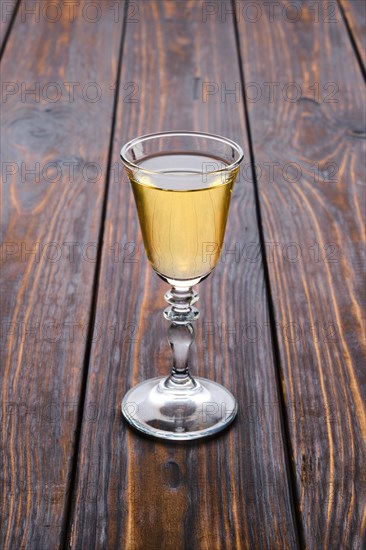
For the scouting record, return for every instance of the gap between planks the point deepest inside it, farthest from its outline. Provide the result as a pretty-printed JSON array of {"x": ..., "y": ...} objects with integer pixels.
[
  {"x": 288, "y": 451},
  {"x": 91, "y": 326}
]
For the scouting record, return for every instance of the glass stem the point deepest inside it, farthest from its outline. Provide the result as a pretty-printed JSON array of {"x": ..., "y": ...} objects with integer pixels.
[{"x": 180, "y": 334}]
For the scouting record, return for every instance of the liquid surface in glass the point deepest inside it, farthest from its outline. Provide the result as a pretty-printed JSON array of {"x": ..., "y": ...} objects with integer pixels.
[{"x": 182, "y": 216}]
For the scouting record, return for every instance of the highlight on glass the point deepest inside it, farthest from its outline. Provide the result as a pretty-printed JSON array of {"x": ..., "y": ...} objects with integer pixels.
[{"x": 182, "y": 183}]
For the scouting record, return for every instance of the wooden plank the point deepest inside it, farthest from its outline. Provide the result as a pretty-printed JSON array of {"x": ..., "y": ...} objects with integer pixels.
[
  {"x": 232, "y": 491},
  {"x": 313, "y": 209},
  {"x": 355, "y": 13},
  {"x": 47, "y": 293},
  {"x": 7, "y": 8}
]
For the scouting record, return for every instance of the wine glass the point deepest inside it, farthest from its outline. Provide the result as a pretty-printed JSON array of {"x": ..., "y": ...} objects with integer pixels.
[{"x": 182, "y": 184}]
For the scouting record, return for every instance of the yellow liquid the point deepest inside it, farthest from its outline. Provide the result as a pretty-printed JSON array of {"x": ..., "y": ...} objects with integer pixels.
[{"x": 183, "y": 230}]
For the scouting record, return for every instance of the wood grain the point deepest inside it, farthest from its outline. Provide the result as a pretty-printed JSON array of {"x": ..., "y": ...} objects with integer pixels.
[
  {"x": 319, "y": 299},
  {"x": 46, "y": 298},
  {"x": 355, "y": 13},
  {"x": 232, "y": 491},
  {"x": 7, "y": 8}
]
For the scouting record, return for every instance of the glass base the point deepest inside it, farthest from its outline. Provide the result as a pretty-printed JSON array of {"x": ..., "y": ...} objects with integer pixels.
[{"x": 165, "y": 410}]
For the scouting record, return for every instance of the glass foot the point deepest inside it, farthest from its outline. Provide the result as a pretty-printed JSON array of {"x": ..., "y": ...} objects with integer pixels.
[{"x": 165, "y": 410}]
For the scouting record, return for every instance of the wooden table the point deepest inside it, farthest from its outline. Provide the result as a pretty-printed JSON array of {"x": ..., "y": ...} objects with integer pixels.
[{"x": 282, "y": 317}]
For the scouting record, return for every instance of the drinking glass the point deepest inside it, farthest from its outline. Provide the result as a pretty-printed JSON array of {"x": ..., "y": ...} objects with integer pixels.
[{"x": 182, "y": 184}]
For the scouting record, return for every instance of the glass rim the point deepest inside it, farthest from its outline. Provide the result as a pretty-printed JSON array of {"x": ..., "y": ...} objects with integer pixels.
[{"x": 148, "y": 137}]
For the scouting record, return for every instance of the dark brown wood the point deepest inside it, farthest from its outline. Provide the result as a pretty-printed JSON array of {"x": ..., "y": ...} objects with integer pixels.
[
  {"x": 232, "y": 491},
  {"x": 46, "y": 297},
  {"x": 355, "y": 13},
  {"x": 317, "y": 204},
  {"x": 181, "y": 71},
  {"x": 7, "y": 8}
]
